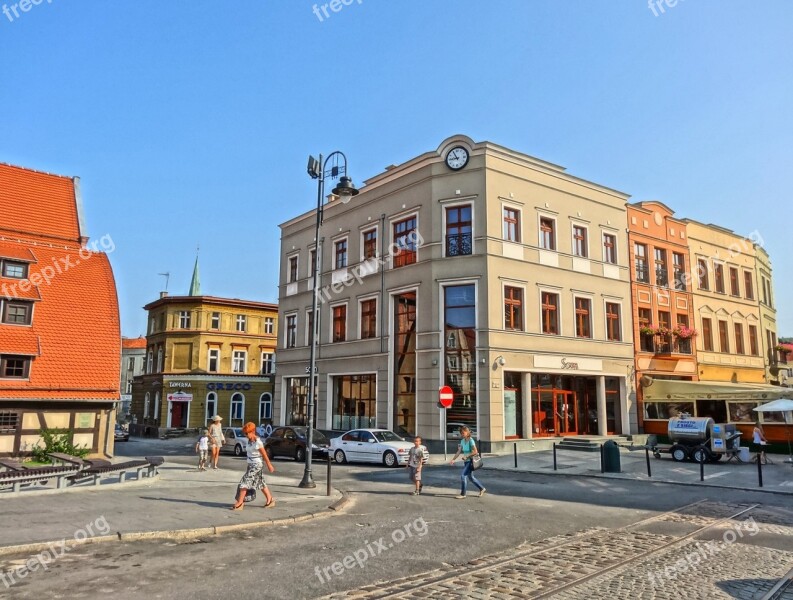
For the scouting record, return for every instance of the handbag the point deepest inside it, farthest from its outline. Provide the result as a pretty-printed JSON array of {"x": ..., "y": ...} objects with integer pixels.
[
  {"x": 250, "y": 495},
  {"x": 477, "y": 462}
]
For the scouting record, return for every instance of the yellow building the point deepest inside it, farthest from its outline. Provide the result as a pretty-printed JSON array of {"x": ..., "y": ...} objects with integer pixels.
[{"x": 205, "y": 356}]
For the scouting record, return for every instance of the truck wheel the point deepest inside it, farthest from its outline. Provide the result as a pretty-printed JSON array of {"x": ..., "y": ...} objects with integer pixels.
[
  {"x": 700, "y": 454},
  {"x": 679, "y": 453}
]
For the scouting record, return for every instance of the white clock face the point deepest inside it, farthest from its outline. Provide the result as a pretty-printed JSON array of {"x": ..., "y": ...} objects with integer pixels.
[{"x": 457, "y": 158}]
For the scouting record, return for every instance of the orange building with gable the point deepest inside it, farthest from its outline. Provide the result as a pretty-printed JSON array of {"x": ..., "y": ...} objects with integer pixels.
[{"x": 60, "y": 340}]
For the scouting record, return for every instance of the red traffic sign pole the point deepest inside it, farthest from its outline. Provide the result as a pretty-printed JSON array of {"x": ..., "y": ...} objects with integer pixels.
[{"x": 446, "y": 396}]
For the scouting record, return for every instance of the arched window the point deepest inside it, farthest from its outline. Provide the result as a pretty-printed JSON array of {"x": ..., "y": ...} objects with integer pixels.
[
  {"x": 156, "y": 414},
  {"x": 237, "y": 407},
  {"x": 211, "y": 406},
  {"x": 265, "y": 408},
  {"x": 146, "y": 402}
]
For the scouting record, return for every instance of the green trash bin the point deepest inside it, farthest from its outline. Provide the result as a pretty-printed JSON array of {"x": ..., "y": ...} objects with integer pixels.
[{"x": 611, "y": 457}]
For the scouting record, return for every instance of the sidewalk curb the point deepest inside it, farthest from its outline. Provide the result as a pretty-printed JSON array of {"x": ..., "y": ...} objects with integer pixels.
[
  {"x": 553, "y": 473},
  {"x": 180, "y": 534}
]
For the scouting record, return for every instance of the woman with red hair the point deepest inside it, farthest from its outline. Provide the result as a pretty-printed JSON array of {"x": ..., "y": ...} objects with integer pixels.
[{"x": 254, "y": 476}]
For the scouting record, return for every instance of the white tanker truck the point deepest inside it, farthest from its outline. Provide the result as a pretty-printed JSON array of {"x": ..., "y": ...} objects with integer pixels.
[{"x": 699, "y": 439}]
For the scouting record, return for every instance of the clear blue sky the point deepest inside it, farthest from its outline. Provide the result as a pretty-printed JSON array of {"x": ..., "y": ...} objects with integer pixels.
[{"x": 190, "y": 123}]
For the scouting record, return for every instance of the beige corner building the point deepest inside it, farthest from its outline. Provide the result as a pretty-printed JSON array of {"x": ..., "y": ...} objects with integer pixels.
[{"x": 473, "y": 266}]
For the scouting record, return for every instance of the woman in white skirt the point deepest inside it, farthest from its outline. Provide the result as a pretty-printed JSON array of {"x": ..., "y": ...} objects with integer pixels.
[{"x": 254, "y": 476}]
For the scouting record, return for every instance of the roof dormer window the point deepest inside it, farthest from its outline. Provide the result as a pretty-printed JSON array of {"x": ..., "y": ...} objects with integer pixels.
[
  {"x": 17, "y": 313},
  {"x": 14, "y": 270}
]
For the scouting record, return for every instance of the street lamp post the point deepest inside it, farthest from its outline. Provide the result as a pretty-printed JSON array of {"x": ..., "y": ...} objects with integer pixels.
[{"x": 335, "y": 165}]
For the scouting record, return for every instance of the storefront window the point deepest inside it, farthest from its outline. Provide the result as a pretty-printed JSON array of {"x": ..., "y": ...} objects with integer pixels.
[
  {"x": 297, "y": 401},
  {"x": 742, "y": 412},
  {"x": 405, "y": 364},
  {"x": 355, "y": 402},
  {"x": 460, "y": 353},
  {"x": 667, "y": 410}
]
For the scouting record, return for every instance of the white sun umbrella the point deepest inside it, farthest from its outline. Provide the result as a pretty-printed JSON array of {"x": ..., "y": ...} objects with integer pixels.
[{"x": 785, "y": 406}]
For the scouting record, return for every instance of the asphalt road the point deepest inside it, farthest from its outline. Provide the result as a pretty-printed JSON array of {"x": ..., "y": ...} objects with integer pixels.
[{"x": 391, "y": 533}]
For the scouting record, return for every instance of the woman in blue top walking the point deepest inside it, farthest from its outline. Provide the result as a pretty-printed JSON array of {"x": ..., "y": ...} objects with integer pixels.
[{"x": 467, "y": 448}]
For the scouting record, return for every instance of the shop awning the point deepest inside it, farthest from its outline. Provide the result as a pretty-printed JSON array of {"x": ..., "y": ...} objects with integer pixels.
[{"x": 667, "y": 389}]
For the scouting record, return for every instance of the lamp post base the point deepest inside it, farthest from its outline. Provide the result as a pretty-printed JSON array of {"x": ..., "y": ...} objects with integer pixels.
[{"x": 307, "y": 481}]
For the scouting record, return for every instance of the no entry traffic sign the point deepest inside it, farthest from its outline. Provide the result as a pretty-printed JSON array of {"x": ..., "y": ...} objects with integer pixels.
[{"x": 446, "y": 396}]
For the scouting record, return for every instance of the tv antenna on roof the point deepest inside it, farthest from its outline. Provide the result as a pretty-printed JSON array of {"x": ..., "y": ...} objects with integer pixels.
[{"x": 167, "y": 279}]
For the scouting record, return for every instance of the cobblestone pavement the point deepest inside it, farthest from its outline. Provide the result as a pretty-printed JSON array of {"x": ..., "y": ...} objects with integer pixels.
[{"x": 717, "y": 550}]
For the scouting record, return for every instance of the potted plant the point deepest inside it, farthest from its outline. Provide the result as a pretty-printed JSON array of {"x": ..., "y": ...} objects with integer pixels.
[
  {"x": 648, "y": 329},
  {"x": 662, "y": 330},
  {"x": 684, "y": 332}
]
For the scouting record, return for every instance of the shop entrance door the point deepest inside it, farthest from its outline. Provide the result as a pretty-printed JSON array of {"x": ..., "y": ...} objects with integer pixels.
[
  {"x": 566, "y": 412},
  {"x": 555, "y": 412}
]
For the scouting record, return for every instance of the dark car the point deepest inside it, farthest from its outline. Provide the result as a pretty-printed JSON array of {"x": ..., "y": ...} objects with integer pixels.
[
  {"x": 120, "y": 434},
  {"x": 291, "y": 441}
]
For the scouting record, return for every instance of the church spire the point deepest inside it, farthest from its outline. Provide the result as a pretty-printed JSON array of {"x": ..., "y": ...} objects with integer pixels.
[{"x": 195, "y": 284}]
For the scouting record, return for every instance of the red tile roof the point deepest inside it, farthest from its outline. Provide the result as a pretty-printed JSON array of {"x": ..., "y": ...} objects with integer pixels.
[
  {"x": 75, "y": 333},
  {"x": 15, "y": 252},
  {"x": 38, "y": 204},
  {"x": 129, "y": 343}
]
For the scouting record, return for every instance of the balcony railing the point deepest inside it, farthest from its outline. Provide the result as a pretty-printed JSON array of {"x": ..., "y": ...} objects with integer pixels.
[
  {"x": 642, "y": 272},
  {"x": 661, "y": 277},
  {"x": 460, "y": 244}
]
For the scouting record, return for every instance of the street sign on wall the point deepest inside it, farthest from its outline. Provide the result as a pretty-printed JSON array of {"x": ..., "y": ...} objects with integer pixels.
[{"x": 180, "y": 397}]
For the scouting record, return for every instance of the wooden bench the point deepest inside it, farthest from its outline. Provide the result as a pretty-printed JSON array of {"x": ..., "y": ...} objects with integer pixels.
[
  {"x": 11, "y": 465},
  {"x": 38, "y": 474},
  {"x": 66, "y": 459}
]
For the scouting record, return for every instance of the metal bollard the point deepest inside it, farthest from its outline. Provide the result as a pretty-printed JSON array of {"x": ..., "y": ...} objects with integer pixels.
[
  {"x": 554, "y": 456},
  {"x": 329, "y": 477},
  {"x": 647, "y": 455},
  {"x": 602, "y": 460},
  {"x": 759, "y": 470},
  {"x": 702, "y": 470},
  {"x": 516, "y": 454}
]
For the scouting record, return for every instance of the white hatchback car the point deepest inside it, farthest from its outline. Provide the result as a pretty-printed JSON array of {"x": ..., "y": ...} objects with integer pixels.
[{"x": 370, "y": 445}]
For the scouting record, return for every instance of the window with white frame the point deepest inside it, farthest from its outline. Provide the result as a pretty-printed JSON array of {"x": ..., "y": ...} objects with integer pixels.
[
  {"x": 513, "y": 308},
  {"x": 339, "y": 333},
  {"x": 159, "y": 360},
  {"x": 511, "y": 224},
  {"x": 146, "y": 403},
  {"x": 613, "y": 322},
  {"x": 269, "y": 325},
  {"x": 340, "y": 254},
  {"x": 547, "y": 233},
  {"x": 583, "y": 317},
  {"x": 265, "y": 408},
  {"x": 215, "y": 323},
  {"x": 368, "y": 318},
  {"x": 184, "y": 319},
  {"x": 242, "y": 323},
  {"x": 150, "y": 361},
  {"x": 237, "y": 407},
  {"x": 213, "y": 360},
  {"x": 369, "y": 243},
  {"x": 580, "y": 245},
  {"x": 268, "y": 363},
  {"x": 405, "y": 239},
  {"x": 129, "y": 387},
  {"x": 290, "y": 339},
  {"x": 211, "y": 406},
  {"x": 610, "y": 248},
  {"x": 293, "y": 269},
  {"x": 238, "y": 361}
]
